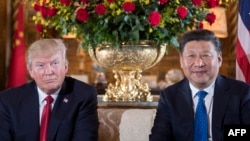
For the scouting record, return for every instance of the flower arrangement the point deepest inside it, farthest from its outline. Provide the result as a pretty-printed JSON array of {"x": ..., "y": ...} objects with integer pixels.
[{"x": 97, "y": 21}]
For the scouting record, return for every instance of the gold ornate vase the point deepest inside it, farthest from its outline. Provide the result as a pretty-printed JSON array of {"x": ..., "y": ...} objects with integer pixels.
[{"x": 127, "y": 62}]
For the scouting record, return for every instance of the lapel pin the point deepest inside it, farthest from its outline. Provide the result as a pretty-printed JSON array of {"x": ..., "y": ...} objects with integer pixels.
[{"x": 65, "y": 100}]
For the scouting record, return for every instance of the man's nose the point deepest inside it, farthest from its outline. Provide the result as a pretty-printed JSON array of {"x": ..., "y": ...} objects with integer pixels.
[
  {"x": 48, "y": 69},
  {"x": 199, "y": 61}
]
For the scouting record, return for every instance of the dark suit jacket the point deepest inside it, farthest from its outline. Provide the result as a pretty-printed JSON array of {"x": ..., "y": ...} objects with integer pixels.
[
  {"x": 73, "y": 118},
  {"x": 175, "y": 114}
]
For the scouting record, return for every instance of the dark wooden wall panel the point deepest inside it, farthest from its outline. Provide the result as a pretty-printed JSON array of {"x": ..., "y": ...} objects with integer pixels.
[{"x": 3, "y": 42}]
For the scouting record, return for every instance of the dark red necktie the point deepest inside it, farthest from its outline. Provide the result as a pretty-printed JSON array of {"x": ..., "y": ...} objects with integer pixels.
[{"x": 45, "y": 118}]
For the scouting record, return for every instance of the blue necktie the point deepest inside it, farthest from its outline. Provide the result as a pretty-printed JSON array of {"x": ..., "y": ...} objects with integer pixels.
[{"x": 201, "y": 122}]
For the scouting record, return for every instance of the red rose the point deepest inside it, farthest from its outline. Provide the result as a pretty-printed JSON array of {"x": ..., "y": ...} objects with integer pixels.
[
  {"x": 197, "y": 2},
  {"x": 128, "y": 6},
  {"x": 37, "y": 7},
  {"x": 154, "y": 18},
  {"x": 84, "y": 1},
  {"x": 162, "y": 2},
  {"x": 51, "y": 11},
  {"x": 82, "y": 15},
  {"x": 201, "y": 26},
  {"x": 39, "y": 27},
  {"x": 100, "y": 9},
  {"x": 213, "y": 3},
  {"x": 65, "y": 2},
  {"x": 44, "y": 11},
  {"x": 110, "y": 1},
  {"x": 182, "y": 12},
  {"x": 210, "y": 18}
]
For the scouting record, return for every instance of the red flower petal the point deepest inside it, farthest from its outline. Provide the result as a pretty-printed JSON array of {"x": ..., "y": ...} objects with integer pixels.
[
  {"x": 162, "y": 2},
  {"x": 128, "y": 6},
  {"x": 65, "y": 2},
  {"x": 197, "y": 2},
  {"x": 82, "y": 15},
  {"x": 211, "y": 18},
  {"x": 154, "y": 18},
  {"x": 100, "y": 9},
  {"x": 182, "y": 12},
  {"x": 39, "y": 27}
]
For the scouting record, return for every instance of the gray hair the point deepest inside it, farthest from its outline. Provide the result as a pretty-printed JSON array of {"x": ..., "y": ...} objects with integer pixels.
[{"x": 45, "y": 47}]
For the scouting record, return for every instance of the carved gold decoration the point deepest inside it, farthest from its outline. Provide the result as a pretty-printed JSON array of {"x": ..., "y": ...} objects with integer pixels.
[
  {"x": 81, "y": 56},
  {"x": 127, "y": 62}
]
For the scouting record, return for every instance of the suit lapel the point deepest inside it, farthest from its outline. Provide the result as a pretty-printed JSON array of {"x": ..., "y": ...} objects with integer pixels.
[
  {"x": 185, "y": 105},
  {"x": 29, "y": 113},
  {"x": 221, "y": 100},
  {"x": 186, "y": 98},
  {"x": 60, "y": 111}
]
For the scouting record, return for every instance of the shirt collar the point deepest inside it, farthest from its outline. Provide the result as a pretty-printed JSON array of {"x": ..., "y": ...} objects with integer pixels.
[
  {"x": 194, "y": 90},
  {"x": 43, "y": 95}
]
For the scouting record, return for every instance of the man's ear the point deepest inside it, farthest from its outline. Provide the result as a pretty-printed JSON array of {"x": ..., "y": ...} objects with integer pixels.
[
  {"x": 181, "y": 60},
  {"x": 66, "y": 68},
  {"x": 30, "y": 72},
  {"x": 220, "y": 59}
]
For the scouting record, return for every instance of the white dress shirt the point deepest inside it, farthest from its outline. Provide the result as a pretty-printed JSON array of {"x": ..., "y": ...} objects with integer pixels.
[{"x": 42, "y": 101}]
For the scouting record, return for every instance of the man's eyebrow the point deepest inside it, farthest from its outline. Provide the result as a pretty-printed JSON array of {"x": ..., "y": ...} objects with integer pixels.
[
  {"x": 39, "y": 62},
  {"x": 56, "y": 60}
]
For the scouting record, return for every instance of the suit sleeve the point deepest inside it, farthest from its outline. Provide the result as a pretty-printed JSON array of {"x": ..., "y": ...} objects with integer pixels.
[
  {"x": 5, "y": 125},
  {"x": 245, "y": 114},
  {"x": 87, "y": 121},
  {"x": 162, "y": 130}
]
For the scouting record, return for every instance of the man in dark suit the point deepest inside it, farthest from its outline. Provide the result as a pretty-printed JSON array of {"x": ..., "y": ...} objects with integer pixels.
[
  {"x": 74, "y": 104},
  {"x": 226, "y": 101}
]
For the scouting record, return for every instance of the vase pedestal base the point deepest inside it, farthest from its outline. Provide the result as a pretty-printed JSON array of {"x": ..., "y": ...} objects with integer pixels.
[{"x": 127, "y": 87}]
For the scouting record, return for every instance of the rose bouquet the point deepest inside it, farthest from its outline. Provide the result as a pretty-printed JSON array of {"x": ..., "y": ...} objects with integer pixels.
[{"x": 97, "y": 21}]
